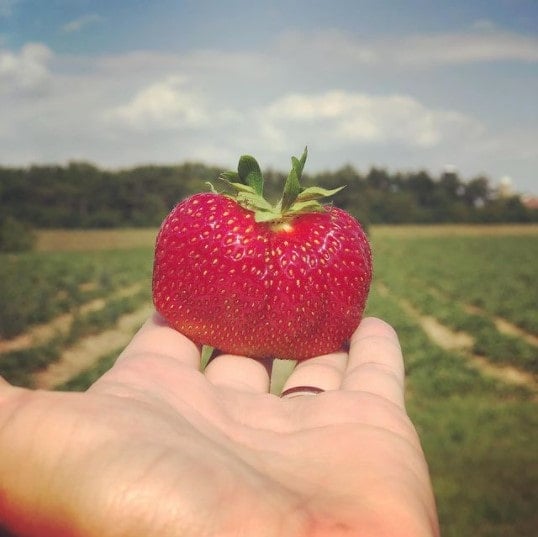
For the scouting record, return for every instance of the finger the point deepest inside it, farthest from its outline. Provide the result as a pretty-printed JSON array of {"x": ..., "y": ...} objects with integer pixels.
[
  {"x": 375, "y": 361},
  {"x": 239, "y": 373},
  {"x": 156, "y": 338},
  {"x": 324, "y": 372},
  {"x": 155, "y": 353}
]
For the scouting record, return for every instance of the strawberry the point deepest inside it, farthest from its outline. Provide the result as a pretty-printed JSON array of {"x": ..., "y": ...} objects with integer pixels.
[{"x": 234, "y": 272}]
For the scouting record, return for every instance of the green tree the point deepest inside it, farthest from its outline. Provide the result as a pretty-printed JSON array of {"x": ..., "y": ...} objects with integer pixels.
[{"x": 477, "y": 192}]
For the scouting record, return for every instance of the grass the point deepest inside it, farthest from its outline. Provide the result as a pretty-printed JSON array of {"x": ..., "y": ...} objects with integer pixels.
[
  {"x": 18, "y": 366},
  {"x": 500, "y": 348},
  {"x": 38, "y": 286}
]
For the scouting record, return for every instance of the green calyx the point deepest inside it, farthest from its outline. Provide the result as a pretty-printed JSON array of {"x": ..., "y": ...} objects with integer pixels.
[{"x": 246, "y": 187}]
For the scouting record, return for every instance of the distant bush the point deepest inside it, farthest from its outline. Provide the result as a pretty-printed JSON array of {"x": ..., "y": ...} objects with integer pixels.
[{"x": 15, "y": 236}]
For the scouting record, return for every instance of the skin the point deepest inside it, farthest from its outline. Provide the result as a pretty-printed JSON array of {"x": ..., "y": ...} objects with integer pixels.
[{"x": 156, "y": 447}]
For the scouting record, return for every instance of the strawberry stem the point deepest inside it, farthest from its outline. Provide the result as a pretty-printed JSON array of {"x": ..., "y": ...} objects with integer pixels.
[{"x": 246, "y": 187}]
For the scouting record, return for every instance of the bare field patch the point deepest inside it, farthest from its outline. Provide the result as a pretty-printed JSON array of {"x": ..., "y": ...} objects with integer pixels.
[
  {"x": 52, "y": 240},
  {"x": 88, "y": 350},
  {"x": 454, "y": 230},
  {"x": 55, "y": 240}
]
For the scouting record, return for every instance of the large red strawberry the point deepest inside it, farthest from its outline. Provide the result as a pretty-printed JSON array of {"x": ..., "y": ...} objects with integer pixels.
[{"x": 287, "y": 281}]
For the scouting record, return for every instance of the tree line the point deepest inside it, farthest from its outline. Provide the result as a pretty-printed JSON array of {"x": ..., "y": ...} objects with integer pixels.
[{"x": 82, "y": 195}]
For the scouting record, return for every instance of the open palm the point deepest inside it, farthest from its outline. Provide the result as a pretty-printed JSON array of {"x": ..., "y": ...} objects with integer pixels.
[{"x": 156, "y": 447}]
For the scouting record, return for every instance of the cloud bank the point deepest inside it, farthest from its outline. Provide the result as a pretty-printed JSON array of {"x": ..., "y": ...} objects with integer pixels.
[
  {"x": 347, "y": 99},
  {"x": 26, "y": 70}
]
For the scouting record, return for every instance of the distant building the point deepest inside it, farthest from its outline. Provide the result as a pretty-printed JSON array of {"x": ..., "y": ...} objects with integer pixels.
[
  {"x": 450, "y": 168},
  {"x": 506, "y": 187},
  {"x": 530, "y": 201}
]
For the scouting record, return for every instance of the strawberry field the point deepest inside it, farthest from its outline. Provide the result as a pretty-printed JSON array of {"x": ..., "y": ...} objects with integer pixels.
[
  {"x": 54, "y": 301},
  {"x": 463, "y": 299}
]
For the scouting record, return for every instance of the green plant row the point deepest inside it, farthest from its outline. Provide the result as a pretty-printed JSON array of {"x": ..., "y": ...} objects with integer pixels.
[
  {"x": 35, "y": 287},
  {"x": 441, "y": 275},
  {"x": 432, "y": 371},
  {"x": 495, "y": 273},
  {"x": 499, "y": 348},
  {"x": 18, "y": 366}
]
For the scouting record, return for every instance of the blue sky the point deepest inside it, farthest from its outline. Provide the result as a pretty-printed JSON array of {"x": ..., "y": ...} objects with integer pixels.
[{"x": 400, "y": 84}]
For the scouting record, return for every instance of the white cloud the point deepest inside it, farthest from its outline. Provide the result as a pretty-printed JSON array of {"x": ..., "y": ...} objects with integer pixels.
[
  {"x": 162, "y": 105},
  {"x": 483, "y": 43},
  {"x": 26, "y": 71},
  {"x": 483, "y": 46},
  {"x": 350, "y": 118},
  {"x": 151, "y": 106},
  {"x": 484, "y": 25},
  {"x": 77, "y": 24}
]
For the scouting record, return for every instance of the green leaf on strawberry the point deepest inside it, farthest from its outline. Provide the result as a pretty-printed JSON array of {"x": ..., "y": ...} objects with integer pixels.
[{"x": 249, "y": 172}]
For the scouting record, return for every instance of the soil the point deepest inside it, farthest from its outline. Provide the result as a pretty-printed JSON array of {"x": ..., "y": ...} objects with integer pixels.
[
  {"x": 59, "y": 324},
  {"x": 89, "y": 349},
  {"x": 448, "y": 339}
]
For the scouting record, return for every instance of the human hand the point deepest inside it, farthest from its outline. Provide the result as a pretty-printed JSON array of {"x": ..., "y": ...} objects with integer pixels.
[{"x": 156, "y": 447}]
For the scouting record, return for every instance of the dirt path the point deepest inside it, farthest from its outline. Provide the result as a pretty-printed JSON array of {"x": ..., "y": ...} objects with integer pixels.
[
  {"x": 450, "y": 340},
  {"x": 60, "y": 324},
  {"x": 505, "y": 327},
  {"x": 89, "y": 349}
]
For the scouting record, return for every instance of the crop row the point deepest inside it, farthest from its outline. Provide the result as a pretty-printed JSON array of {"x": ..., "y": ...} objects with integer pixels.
[
  {"x": 494, "y": 273},
  {"x": 503, "y": 349},
  {"x": 35, "y": 287},
  {"x": 18, "y": 366},
  {"x": 439, "y": 297}
]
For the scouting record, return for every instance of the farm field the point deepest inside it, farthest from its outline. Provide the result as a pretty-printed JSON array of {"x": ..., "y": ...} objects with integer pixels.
[{"x": 463, "y": 299}]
